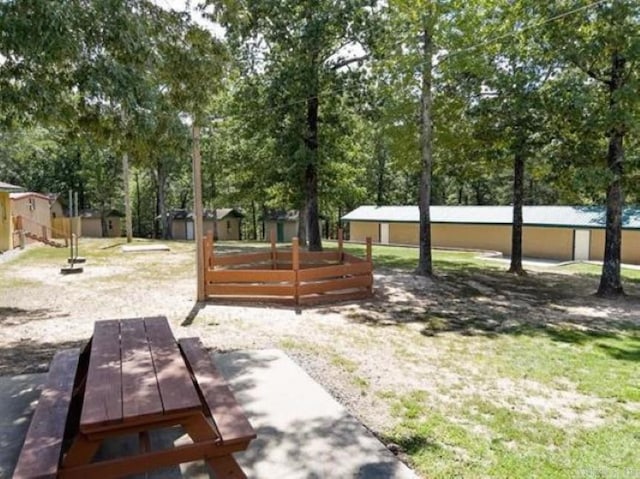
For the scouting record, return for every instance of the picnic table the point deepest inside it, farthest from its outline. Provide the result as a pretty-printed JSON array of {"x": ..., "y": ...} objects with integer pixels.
[{"x": 133, "y": 377}]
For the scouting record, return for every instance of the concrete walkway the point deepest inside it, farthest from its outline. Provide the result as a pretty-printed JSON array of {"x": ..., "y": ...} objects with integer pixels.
[{"x": 303, "y": 433}]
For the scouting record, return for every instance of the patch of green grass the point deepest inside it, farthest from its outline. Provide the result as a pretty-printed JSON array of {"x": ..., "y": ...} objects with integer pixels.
[
  {"x": 41, "y": 254},
  {"x": 406, "y": 257},
  {"x": 12, "y": 282},
  {"x": 478, "y": 439},
  {"x": 605, "y": 367},
  {"x": 361, "y": 382},
  {"x": 343, "y": 363},
  {"x": 294, "y": 344},
  {"x": 586, "y": 269}
]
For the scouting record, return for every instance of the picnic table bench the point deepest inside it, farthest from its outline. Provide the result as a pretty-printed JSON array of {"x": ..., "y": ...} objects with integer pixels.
[{"x": 133, "y": 377}]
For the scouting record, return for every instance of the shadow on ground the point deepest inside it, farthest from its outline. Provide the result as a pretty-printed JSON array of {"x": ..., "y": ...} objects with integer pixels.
[
  {"x": 491, "y": 303},
  {"x": 29, "y": 356}
]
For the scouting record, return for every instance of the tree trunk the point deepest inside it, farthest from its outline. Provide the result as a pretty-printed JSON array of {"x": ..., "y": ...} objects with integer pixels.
[
  {"x": 139, "y": 220},
  {"x": 162, "y": 212},
  {"x": 610, "y": 283},
  {"x": 254, "y": 221},
  {"x": 302, "y": 225},
  {"x": 127, "y": 197},
  {"x": 425, "y": 267},
  {"x": 311, "y": 177},
  {"x": 518, "y": 199},
  {"x": 380, "y": 174}
]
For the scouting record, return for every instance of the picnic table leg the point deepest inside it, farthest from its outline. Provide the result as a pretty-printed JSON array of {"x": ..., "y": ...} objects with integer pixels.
[
  {"x": 226, "y": 467},
  {"x": 81, "y": 451},
  {"x": 223, "y": 467}
]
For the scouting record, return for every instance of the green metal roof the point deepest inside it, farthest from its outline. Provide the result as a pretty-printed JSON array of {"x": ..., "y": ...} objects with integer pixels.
[
  {"x": 560, "y": 216},
  {"x": 9, "y": 188}
]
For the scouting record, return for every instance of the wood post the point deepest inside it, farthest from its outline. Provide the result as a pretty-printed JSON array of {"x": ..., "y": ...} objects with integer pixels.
[
  {"x": 197, "y": 211},
  {"x": 274, "y": 251},
  {"x": 209, "y": 255},
  {"x": 340, "y": 247},
  {"x": 295, "y": 264},
  {"x": 369, "y": 249}
]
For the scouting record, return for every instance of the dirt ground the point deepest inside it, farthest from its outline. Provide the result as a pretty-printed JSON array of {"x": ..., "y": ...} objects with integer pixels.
[{"x": 356, "y": 350}]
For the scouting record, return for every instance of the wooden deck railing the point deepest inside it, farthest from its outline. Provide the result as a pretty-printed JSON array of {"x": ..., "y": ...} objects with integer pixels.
[
  {"x": 36, "y": 231},
  {"x": 297, "y": 276}
]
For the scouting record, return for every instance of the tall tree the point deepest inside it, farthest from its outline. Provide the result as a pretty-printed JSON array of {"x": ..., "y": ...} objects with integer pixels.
[
  {"x": 414, "y": 65},
  {"x": 301, "y": 48},
  {"x": 601, "y": 41},
  {"x": 513, "y": 99}
]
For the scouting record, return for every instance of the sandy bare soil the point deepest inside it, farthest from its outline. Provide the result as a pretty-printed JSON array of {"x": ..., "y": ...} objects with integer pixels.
[{"x": 357, "y": 350}]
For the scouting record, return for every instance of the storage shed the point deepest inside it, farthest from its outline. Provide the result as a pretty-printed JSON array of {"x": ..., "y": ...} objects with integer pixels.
[
  {"x": 6, "y": 221},
  {"x": 554, "y": 232},
  {"x": 91, "y": 224},
  {"x": 283, "y": 223},
  {"x": 227, "y": 221},
  {"x": 34, "y": 213}
]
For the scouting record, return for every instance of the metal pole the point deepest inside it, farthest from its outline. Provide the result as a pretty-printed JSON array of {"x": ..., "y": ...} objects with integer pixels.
[{"x": 71, "y": 224}]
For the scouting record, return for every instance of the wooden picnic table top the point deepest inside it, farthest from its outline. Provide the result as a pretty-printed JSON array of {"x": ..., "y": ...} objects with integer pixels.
[{"x": 136, "y": 373}]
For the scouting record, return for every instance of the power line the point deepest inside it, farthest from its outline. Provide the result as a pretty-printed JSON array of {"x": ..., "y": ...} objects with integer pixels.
[
  {"x": 526, "y": 28},
  {"x": 448, "y": 55}
]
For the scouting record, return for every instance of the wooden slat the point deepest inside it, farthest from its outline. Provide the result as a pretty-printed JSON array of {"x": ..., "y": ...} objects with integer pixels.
[
  {"x": 138, "y": 464},
  {"x": 103, "y": 391},
  {"x": 334, "y": 271},
  {"x": 40, "y": 455},
  {"x": 174, "y": 380},
  {"x": 246, "y": 258},
  {"x": 227, "y": 414},
  {"x": 250, "y": 289},
  {"x": 250, "y": 276},
  {"x": 349, "y": 258},
  {"x": 226, "y": 468},
  {"x": 140, "y": 394},
  {"x": 335, "y": 297},
  {"x": 309, "y": 256},
  {"x": 335, "y": 285}
]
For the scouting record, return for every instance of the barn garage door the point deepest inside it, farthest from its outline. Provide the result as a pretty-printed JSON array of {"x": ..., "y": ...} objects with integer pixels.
[
  {"x": 581, "y": 244},
  {"x": 384, "y": 233}
]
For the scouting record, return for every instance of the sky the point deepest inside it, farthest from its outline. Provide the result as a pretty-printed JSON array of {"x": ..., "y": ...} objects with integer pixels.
[{"x": 180, "y": 5}]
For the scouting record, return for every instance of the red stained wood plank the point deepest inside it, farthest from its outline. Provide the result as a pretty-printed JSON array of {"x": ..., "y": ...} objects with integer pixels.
[
  {"x": 227, "y": 414},
  {"x": 40, "y": 455},
  {"x": 103, "y": 392},
  {"x": 140, "y": 394},
  {"x": 177, "y": 390}
]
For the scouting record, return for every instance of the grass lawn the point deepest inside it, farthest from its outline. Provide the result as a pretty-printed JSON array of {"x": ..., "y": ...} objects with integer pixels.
[
  {"x": 581, "y": 415},
  {"x": 474, "y": 374}
]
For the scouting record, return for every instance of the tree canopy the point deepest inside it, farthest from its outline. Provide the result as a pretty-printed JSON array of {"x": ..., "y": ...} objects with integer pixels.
[{"x": 321, "y": 106}]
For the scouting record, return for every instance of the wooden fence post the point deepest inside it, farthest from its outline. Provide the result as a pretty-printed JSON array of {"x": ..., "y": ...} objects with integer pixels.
[
  {"x": 209, "y": 258},
  {"x": 295, "y": 264},
  {"x": 274, "y": 251},
  {"x": 207, "y": 261},
  {"x": 340, "y": 247}
]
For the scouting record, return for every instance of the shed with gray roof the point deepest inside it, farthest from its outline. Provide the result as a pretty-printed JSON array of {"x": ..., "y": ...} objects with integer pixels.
[{"x": 554, "y": 232}]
